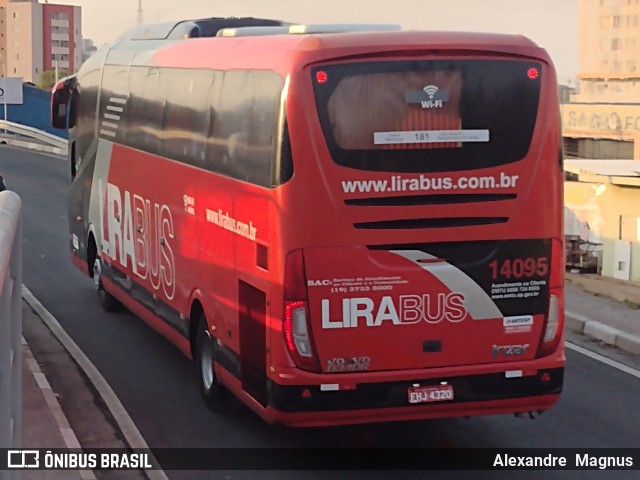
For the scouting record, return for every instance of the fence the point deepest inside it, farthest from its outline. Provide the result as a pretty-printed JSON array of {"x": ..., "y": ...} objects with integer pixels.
[{"x": 10, "y": 324}]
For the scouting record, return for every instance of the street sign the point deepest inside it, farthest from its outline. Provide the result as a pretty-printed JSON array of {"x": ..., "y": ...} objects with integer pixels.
[{"x": 11, "y": 91}]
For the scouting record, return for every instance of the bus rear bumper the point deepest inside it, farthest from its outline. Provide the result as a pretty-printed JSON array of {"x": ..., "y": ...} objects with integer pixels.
[
  {"x": 481, "y": 394},
  {"x": 312, "y": 419}
]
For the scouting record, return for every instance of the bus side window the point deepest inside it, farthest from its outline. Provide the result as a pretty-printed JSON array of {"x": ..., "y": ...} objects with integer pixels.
[
  {"x": 186, "y": 115},
  {"x": 242, "y": 141},
  {"x": 264, "y": 127},
  {"x": 229, "y": 133},
  {"x": 145, "y": 107}
]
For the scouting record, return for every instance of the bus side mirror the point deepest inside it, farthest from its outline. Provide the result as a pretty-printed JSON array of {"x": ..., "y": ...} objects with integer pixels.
[{"x": 59, "y": 108}]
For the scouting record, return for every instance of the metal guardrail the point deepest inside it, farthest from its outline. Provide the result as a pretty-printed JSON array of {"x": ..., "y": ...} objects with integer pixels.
[
  {"x": 34, "y": 133},
  {"x": 10, "y": 324},
  {"x": 54, "y": 143}
]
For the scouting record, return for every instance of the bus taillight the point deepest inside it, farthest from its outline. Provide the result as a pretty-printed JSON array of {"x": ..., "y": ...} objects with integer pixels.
[
  {"x": 296, "y": 333},
  {"x": 553, "y": 326},
  {"x": 554, "y": 323},
  {"x": 553, "y": 318},
  {"x": 297, "y": 328}
]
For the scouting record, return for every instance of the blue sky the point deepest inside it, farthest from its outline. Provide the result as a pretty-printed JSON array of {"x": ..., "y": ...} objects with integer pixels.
[{"x": 550, "y": 23}]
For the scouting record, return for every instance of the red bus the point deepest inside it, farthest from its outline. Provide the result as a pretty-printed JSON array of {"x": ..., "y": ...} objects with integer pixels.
[{"x": 339, "y": 224}]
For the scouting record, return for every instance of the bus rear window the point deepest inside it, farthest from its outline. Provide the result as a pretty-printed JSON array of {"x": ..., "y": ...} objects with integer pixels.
[{"x": 427, "y": 116}]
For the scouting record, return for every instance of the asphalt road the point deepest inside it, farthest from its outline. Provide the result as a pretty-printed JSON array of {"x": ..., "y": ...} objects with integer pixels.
[{"x": 599, "y": 406}]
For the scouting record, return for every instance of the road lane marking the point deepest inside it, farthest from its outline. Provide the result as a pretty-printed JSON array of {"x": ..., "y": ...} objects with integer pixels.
[
  {"x": 601, "y": 358},
  {"x": 126, "y": 424}
]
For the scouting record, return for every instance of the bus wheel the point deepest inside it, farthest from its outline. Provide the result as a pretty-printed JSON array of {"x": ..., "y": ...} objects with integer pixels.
[
  {"x": 211, "y": 390},
  {"x": 107, "y": 301}
]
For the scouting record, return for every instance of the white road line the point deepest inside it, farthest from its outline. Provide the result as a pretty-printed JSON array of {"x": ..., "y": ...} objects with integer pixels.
[
  {"x": 121, "y": 101},
  {"x": 601, "y": 358},
  {"x": 115, "y": 109},
  {"x": 128, "y": 428},
  {"x": 107, "y": 133},
  {"x": 109, "y": 124},
  {"x": 110, "y": 116}
]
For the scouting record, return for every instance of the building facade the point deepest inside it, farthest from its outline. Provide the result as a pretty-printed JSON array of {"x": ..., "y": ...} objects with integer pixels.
[
  {"x": 602, "y": 207},
  {"x": 35, "y": 37},
  {"x": 603, "y": 119},
  {"x": 24, "y": 41},
  {"x": 62, "y": 39}
]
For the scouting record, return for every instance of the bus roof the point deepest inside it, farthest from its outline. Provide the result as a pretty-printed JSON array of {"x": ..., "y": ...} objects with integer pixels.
[{"x": 279, "y": 50}]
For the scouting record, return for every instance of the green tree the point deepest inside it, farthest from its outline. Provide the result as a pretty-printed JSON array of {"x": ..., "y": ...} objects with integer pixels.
[{"x": 48, "y": 78}]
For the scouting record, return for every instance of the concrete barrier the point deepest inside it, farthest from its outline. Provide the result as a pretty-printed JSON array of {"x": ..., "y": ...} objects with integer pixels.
[{"x": 10, "y": 324}]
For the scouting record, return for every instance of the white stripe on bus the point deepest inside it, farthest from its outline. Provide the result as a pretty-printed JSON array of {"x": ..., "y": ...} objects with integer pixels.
[{"x": 478, "y": 303}]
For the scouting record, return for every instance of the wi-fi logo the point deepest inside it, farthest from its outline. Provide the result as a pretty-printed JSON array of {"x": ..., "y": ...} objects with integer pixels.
[{"x": 430, "y": 90}]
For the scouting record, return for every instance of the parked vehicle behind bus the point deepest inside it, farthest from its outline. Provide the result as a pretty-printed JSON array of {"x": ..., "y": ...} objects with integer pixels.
[{"x": 339, "y": 223}]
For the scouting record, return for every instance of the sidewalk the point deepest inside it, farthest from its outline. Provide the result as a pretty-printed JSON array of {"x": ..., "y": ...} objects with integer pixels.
[
  {"x": 44, "y": 424},
  {"x": 52, "y": 385},
  {"x": 603, "y": 308}
]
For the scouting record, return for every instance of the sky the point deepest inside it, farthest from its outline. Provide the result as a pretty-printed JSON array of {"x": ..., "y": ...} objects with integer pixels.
[{"x": 552, "y": 24}]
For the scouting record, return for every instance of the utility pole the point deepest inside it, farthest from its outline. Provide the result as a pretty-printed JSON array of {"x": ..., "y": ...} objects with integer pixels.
[{"x": 140, "y": 13}]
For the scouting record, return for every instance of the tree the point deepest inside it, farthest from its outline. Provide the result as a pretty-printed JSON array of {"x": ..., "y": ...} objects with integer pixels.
[{"x": 48, "y": 78}]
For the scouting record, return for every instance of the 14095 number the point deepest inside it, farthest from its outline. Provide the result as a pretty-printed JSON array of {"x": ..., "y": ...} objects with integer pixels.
[{"x": 520, "y": 268}]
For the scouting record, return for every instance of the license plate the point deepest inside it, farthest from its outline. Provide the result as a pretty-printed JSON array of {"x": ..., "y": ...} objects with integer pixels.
[{"x": 439, "y": 393}]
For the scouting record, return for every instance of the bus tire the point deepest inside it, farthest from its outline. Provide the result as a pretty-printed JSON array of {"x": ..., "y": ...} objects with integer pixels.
[
  {"x": 210, "y": 389},
  {"x": 107, "y": 301}
]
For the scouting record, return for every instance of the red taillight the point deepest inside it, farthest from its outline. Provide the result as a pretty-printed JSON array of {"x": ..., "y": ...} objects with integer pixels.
[
  {"x": 554, "y": 323},
  {"x": 533, "y": 73},
  {"x": 290, "y": 309},
  {"x": 322, "y": 77},
  {"x": 297, "y": 325}
]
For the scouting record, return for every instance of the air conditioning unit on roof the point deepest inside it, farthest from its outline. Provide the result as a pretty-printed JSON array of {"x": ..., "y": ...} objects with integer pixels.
[
  {"x": 308, "y": 29},
  {"x": 343, "y": 28},
  {"x": 252, "y": 31}
]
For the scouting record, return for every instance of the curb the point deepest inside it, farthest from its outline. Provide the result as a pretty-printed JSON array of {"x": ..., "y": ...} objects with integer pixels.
[
  {"x": 126, "y": 425},
  {"x": 68, "y": 435},
  {"x": 609, "y": 335}
]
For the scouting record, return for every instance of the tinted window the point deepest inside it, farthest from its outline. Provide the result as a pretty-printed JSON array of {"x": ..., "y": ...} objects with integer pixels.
[
  {"x": 427, "y": 116},
  {"x": 244, "y": 132},
  {"x": 186, "y": 115},
  {"x": 144, "y": 110},
  {"x": 226, "y": 122},
  {"x": 263, "y": 127}
]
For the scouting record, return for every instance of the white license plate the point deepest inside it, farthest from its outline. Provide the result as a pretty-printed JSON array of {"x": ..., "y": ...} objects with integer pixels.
[{"x": 439, "y": 393}]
